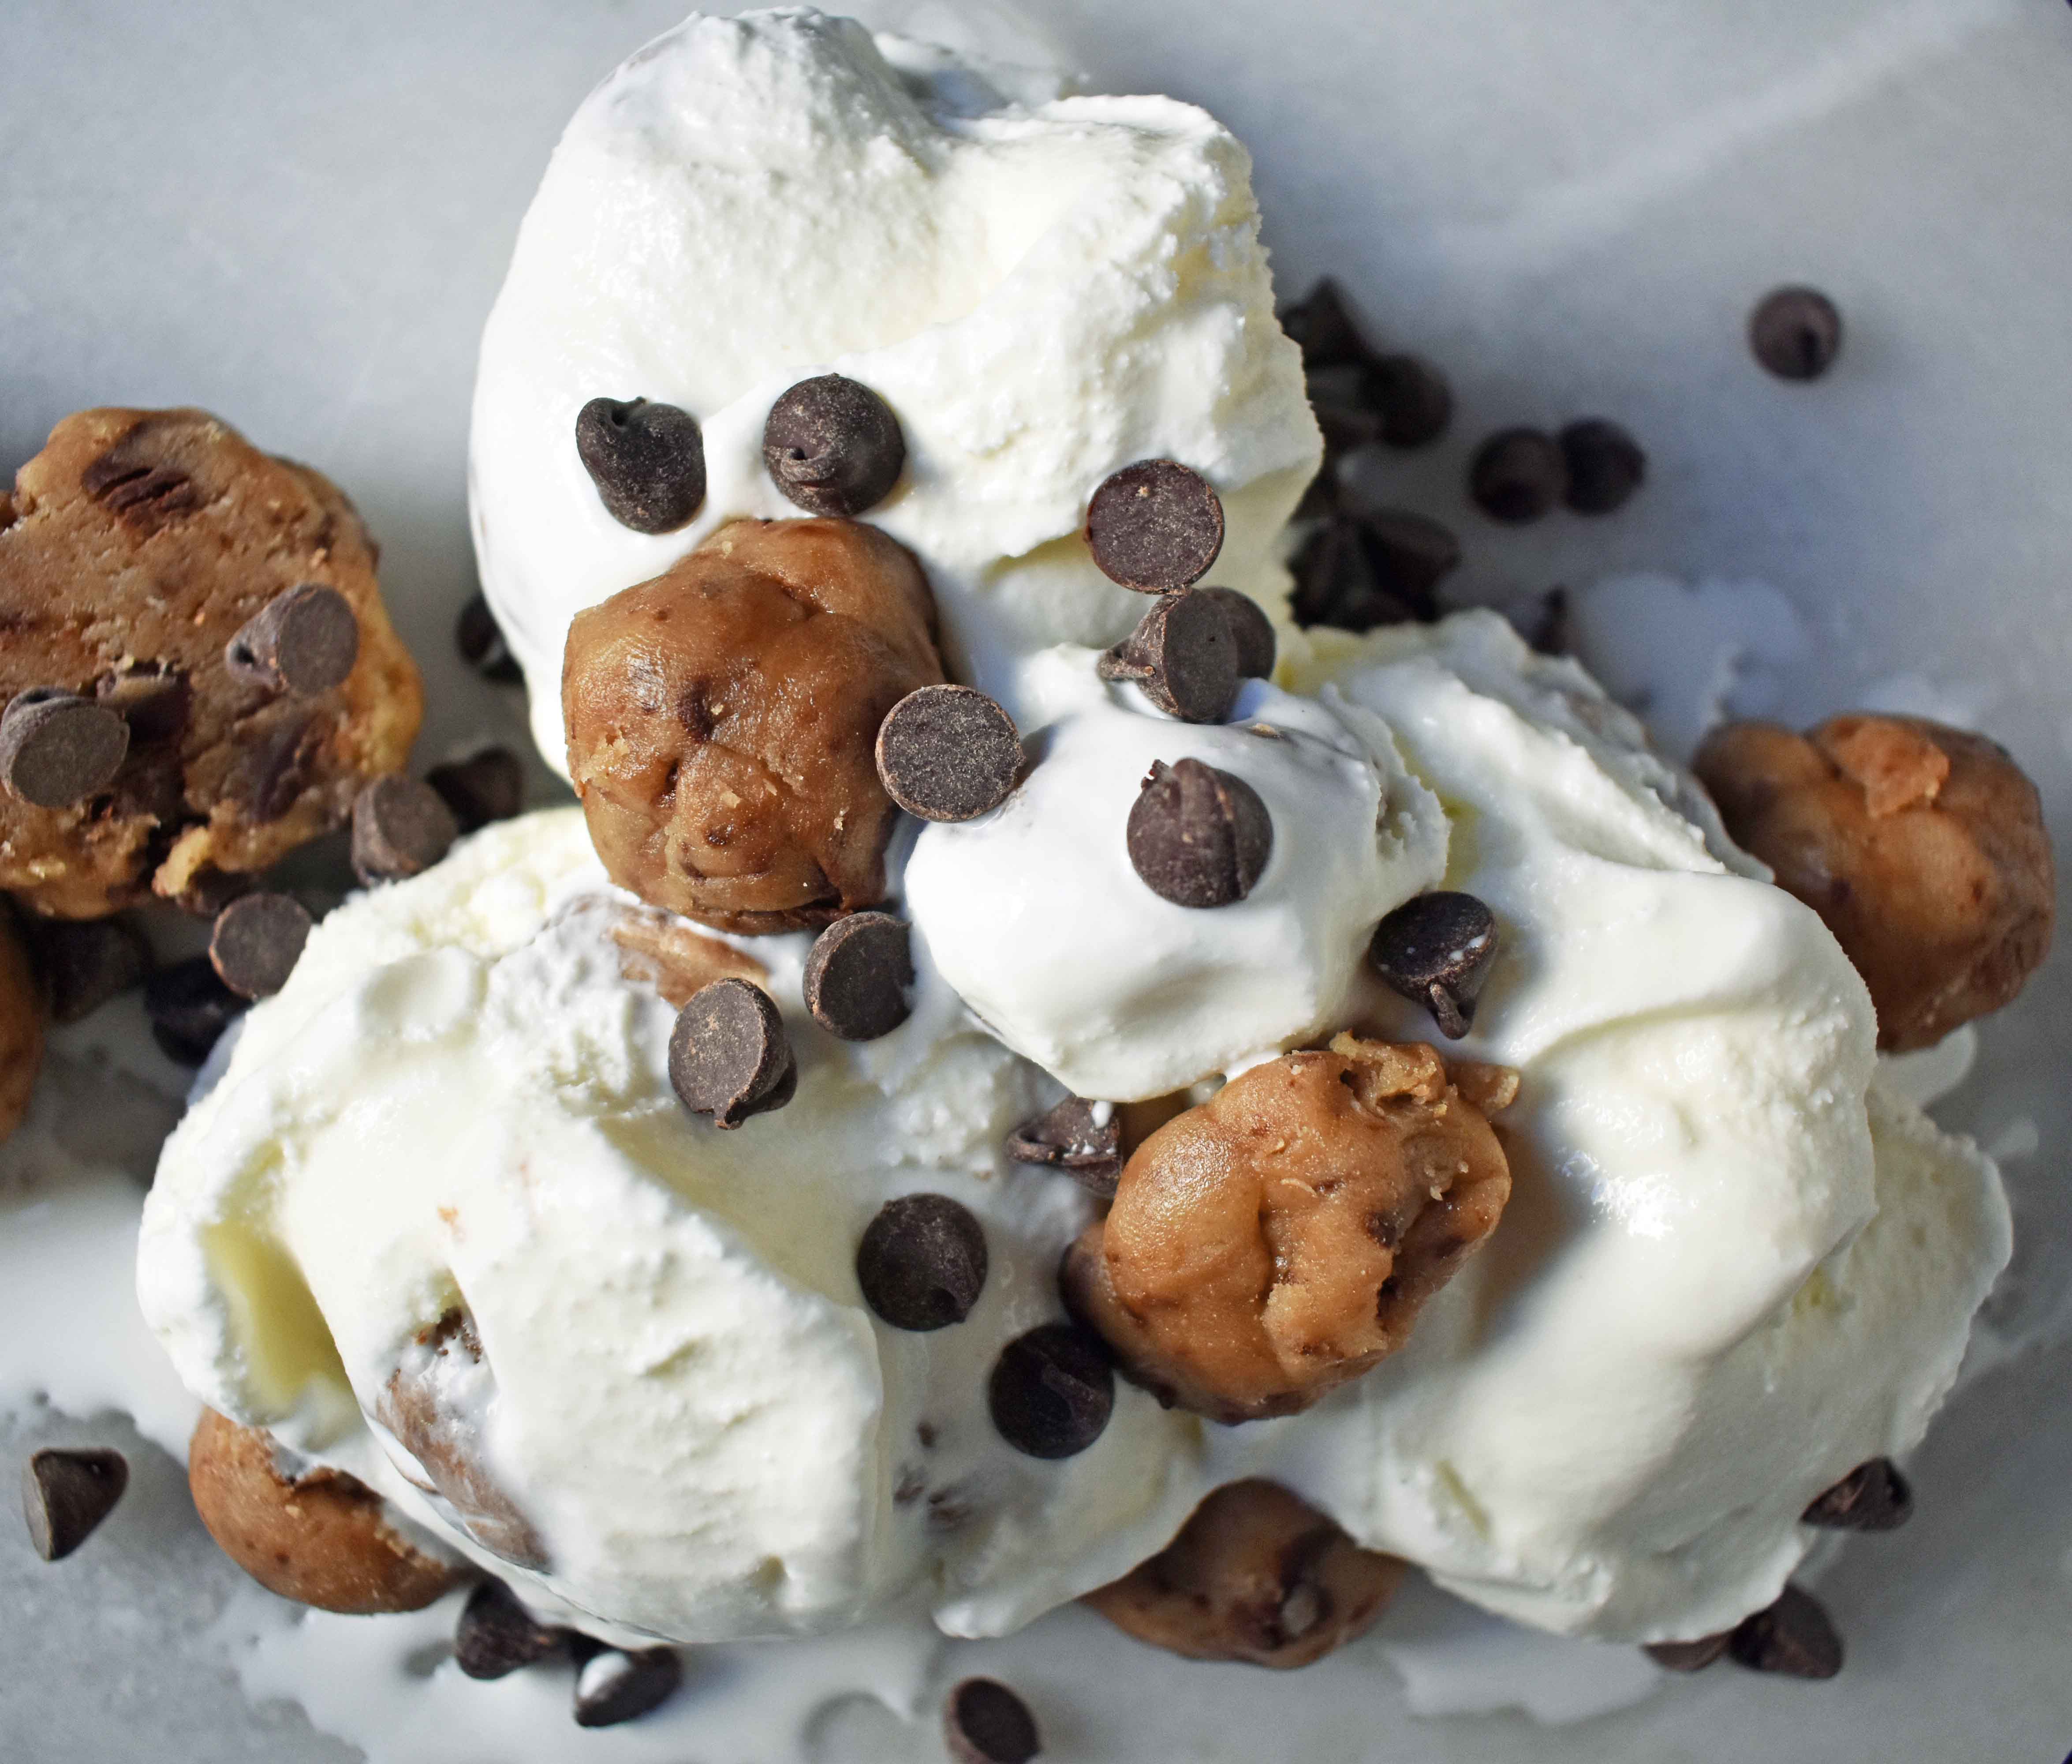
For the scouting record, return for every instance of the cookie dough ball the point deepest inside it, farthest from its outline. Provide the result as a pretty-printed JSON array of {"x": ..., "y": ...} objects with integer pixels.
[
  {"x": 21, "y": 1025},
  {"x": 1922, "y": 847},
  {"x": 721, "y": 721},
  {"x": 1256, "y": 1574},
  {"x": 1280, "y": 1239},
  {"x": 136, "y": 551}
]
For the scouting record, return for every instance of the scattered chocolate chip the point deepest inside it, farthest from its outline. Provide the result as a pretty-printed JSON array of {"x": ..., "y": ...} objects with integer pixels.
[
  {"x": 65, "y": 1493},
  {"x": 984, "y": 1722},
  {"x": 1322, "y": 324},
  {"x": 1873, "y": 1497},
  {"x": 1183, "y": 656},
  {"x": 647, "y": 461},
  {"x": 922, "y": 1263},
  {"x": 833, "y": 447},
  {"x": 156, "y": 702},
  {"x": 480, "y": 641},
  {"x": 1052, "y": 1391},
  {"x": 1339, "y": 400},
  {"x": 1082, "y": 1137},
  {"x": 728, "y": 1056},
  {"x": 189, "y": 1008},
  {"x": 948, "y": 753},
  {"x": 1198, "y": 836},
  {"x": 1155, "y": 527},
  {"x": 1794, "y": 1636},
  {"x": 1411, "y": 398},
  {"x": 57, "y": 748},
  {"x": 1796, "y": 333},
  {"x": 858, "y": 975},
  {"x": 304, "y": 641},
  {"x": 86, "y": 962},
  {"x": 257, "y": 942},
  {"x": 496, "y": 1634},
  {"x": 1436, "y": 950},
  {"x": 1604, "y": 465},
  {"x": 1688, "y": 1656},
  {"x": 1251, "y": 630},
  {"x": 615, "y": 1684},
  {"x": 399, "y": 827},
  {"x": 1357, "y": 571},
  {"x": 485, "y": 787},
  {"x": 1551, "y": 633},
  {"x": 1517, "y": 476}
]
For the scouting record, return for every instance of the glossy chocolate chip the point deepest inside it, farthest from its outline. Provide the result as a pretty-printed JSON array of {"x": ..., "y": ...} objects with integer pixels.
[
  {"x": 647, "y": 461},
  {"x": 57, "y": 749},
  {"x": 1052, "y": 1391},
  {"x": 1082, "y": 1137},
  {"x": 728, "y": 1056},
  {"x": 1606, "y": 465},
  {"x": 189, "y": 1007},
  {"x": 1198, "y": 836},
  {"x": 496, "y": 1634},
  {"x": 1251, "y": 630},
  {"x": 948, "y": 753},
  {"x": 257, "y": 942},
  {"x": 1796, "y": 333},
  {"x": 304, "y": 641},
  {"x": 1436, "y": 950},
  {"x": 1517, "y": 476},
  {"x": 485, "y": 787},
  {"x": 1155, "y": 527},
  {"x": 1183, "y": 656},
  {"x": 1689, "y": 1656},
  {"x": 922, "y": 1263},
  {"x": 984, "y": 1722},
  {"x": 86, "y": 962},
  {"x": 67, "y": 1493},
  {"x": 480, "y": 640},
  {"x": 1361, "y": 570},
  {"x": 399, "y": 827},
  {"x": 858, "y": 974},
  {"x": 615, "y": 1684},
  {"x": 1794, "y": 1637},
  {"x": 833, "y": 447},
  {"x": 1873, "y": 1497}
]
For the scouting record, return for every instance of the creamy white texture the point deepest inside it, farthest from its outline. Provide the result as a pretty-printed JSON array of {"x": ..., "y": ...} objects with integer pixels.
[{"x": 1043, "y": 293}]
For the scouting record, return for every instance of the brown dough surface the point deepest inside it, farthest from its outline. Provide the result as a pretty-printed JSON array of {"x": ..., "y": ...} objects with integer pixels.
[{"x": 21, "y": 1014}]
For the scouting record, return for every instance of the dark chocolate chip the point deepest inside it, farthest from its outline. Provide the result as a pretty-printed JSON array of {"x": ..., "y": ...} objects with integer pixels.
[
  {"x": 1517, "y": 476},
  {"x": 1794, "y": 1636},
  {"x": 1251, "y": 630},
  {"x": 86, "y": 962},
  {"x": 1411, "y": 398},
  {"x": 1155, "y": 526},
  {"x": 146, "y": 496},
  {"x": 1873, "y": 1497},
  {"x": 189, "y": 1008},
  {"x": 728, "y": 1056},
  {"x": 304, "y": 641},
  {"x": 647, "y": 461},
  {"x": 399, "y": 827},
  {"x": 480, "y": 640},
  {"x": 984, "y": 1722},
  {"x": 833, "y": 447},
  {"x": 1052, "y": 1391},
  {"x": 1689, "y": 1656},
  {"x": 270, "y": 775},
  {"x": 1322, "y": 324},
  {"x": 496, "y": 1634},
  {"x": 858, "y": 973},
  {"x": 485, "y": 787},
  {"x": 1550, "y": 632},
  {"x": 156, "y": 702},
  {"x": 1796, "y": 333},
  {"x": 56, "y": 749},
  {"x": 1357, "y": 571},
  {"x": 257, "y": 941},
  {"x": 65, "y": 1493},
  {"x": 1082, "y": 1137},
  {"x": 1606, "y": 465},
  {"x": 1198, "y": 836},
  {"x": 1339, "y": 399},
  {"x": 1436, "y": 950},
  {"x": 948, "y": 753},
  {"x": 615, "y": 1684},
  {"x": 922, "y": 1263},
  {"x": 1183, "y": 656},
  {"x": 207, "y": 890}
]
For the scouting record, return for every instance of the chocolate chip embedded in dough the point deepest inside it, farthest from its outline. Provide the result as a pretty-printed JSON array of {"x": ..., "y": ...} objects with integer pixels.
[
  {"x": 485, "y": 787},
  {"x": 1052, "y": 1391},
  {"x": 496, "y": 1634},
  {"x": 615, "y": 1684},
  {"x": 922, "y": 1263},
  {"x": 948, "y": 753},
  {"x": 86, "y": 962},
  {"x": 157, "y": 703},
  {"x": 1155, "y": 526},
  {"x": 647, "y": 461},
  {"x": 480, "y": 640},
  {"x": 1688, "y": 1656},
  {"x": 1606, "y": 465},
  {"x": 1082, "y": 1137},
  {"x": 67, "y": 1493},
  {"x": 1796, "y": 333},
  {"x": 1251, "y": 630},
  {"x": 257, "y": 941},
  {"x": 728, "y": 1056},
  {"x": 1517, "y": 476},
  {"x": 1198, "y": 836},
  {"x": 56, "y": 749},
  {"x": 858, "y": 973},
  {"x": 399, "y": 827},
  {"x": 984, "y": 1722},
  {"x": 1436, "y": 950},
  {"x": 189, "y": 1007},
  {"x": 1183, "y": 654},
  {"x": 833, "y": 447},
  {"x": 304, "y": 641},
  {"x": 1873, "y": 1497},
  {"x": 1794, "y": 1637}
]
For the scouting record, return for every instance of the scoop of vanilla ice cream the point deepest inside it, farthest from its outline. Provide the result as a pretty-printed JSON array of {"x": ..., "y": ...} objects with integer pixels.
[
  {"x": 1044, "y": 290},
  {"x": 461, "y": 1099},
  {"x": 1034, "y": 914}
]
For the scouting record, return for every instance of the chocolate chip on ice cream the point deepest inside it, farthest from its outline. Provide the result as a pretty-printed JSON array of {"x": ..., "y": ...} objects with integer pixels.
[
  {"x": 1606, "y": 465},
  {"x": 304, "y": 641},
  {"x": 86, "y": 962},
  {"x": 1873, "y": 1497},
  {"x": 984, "y": 1722},
  {"x": 728, "y": 1056},
  {"x": 1436, "y": 949},
  {"x": 496, "y": 1635},
  {"x": 858, "y": 974},
  {"x": 615, "y": 1684},
  {"x": 189, "y": 1007},
  {"x": 401, "y": 828},
  {"x": 833, "y": 447},
  {"x": 257, "y": 942},
  {"x": 1183, "y": 655},
  {"x": 1794, "y": 1637},
  {"x": 56, "y": 749},
  {"x": 487, "y": 786},
  {"x": 22, "y": 1009},
  {"x": 1082, "y": 1137},
  {"x": 1796, "y": 333},
  {"x": 1518, "y": 476},
  {"x": 1693, "y": 1656},
  {"x": 480, "y": 640},
  {"x": 1052, "y": 1391},
  {"x": 647, "y": 461},
  {"x": 67, "y": 1492},
  {"x": 1155, "y": 526},
  {"x": 948, "y": 753},
  {"x": 922, "y": 1263},
  {"x": 1251, "y": 630},
  {"x": 1197, "y": 835}
]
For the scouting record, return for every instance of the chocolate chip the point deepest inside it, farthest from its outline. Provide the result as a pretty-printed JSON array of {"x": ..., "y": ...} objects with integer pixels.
[
  {"x": 189, "y": 1008},
  {"x": 480, "y": 641},
  {"x": 1251, "y": 630},
  {"x": 1339, "y": 400},
  {"x": 615, "y": 1684},
  {"x": 1183, "y": 656},
  {"x": 269, "y": 776},
  {"x": 984, "y": 1722},
  {"x": 1550, "y": 635},
  {"x": 1436, "y": 950},
  {"x": 1873, "y": 1497},
  {"x": 647, "y": 461},
  {"x": 948, "y": 753},
  {"x": 1052, "y": 1391},
  {"x": 65, "y": 1493},
  {"x": 1796, "y": 333},
  {"x": 922, "y": 1263},
  {"x": 1794, "y": 1636},
  {"x": 1155, "y": 526},
  {"x": 1359, "y": 570},
  {"x": 1322, "y": 324},
  {"x": 399, "y": 827},
  {"x": 1517, "y": 476},
  {"x": 207, "y": 890},
  {"x": 1411, "y": 398},
  {"x": 496, "y": 1634},
  {"x": 728, "y": 1056},
  {"x": 145, "y": 495},
  {"x": 304, "y": 641},
  {"x": 833, "y": 447},
  {"x": 156, "y": 702},
  {"x": 1082, "y": 1137},
  {"x": 86, "y": 962},
  {"x": 1689, "y": 1656},
  {"x": 858, "y": 975},
  {"x": 485, "y": 787},
  {"x": 257, "y": 942},
  {"x": 1604, "y": 465},
  {"x": 1198, "y": 836},
  {"x": 56, "y": 749}
]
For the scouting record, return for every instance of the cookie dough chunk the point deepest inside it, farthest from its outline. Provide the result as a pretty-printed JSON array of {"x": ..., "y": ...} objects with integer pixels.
[
  {"x": 1922, "y": 847},
  {"x": 721, "y": 720},
  {"x": 21, "y": 1025},
  {"x": 138, "y": 548},
  {"x": 1280, "y": 1239},
  {"x": 1256, "y": 1574}
]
